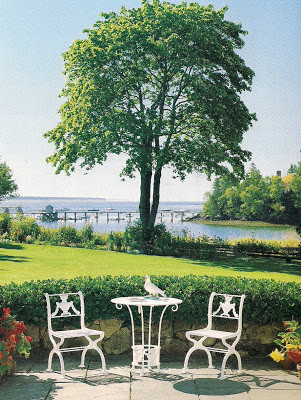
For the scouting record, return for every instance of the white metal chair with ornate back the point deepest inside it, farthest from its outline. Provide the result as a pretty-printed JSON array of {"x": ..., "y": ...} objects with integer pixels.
[
  {"x": 66, "y": 309},
  {"x": 226, "y": 308}
]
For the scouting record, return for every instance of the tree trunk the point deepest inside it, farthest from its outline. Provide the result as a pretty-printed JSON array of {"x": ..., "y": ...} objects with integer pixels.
[
  {"x": 148, "y": 211},
  {"x": 144, "y": 204},
  {"x": 156, "y": 197}
]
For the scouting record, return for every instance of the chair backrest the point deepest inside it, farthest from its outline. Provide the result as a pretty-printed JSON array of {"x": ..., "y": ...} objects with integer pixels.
[
  {"x": 228, "y": 306},
  {"x": 64, "y": 307}
]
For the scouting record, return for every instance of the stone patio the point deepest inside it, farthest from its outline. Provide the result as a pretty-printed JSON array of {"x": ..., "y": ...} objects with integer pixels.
[{"x": 262, "y": 380}]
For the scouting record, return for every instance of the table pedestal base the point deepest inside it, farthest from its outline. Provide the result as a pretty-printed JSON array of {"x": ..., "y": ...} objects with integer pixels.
[{"x": 146, "y": 356}]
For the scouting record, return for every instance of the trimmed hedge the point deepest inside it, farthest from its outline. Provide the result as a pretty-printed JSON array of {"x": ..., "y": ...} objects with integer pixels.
[{"x": 267, "y": 300}]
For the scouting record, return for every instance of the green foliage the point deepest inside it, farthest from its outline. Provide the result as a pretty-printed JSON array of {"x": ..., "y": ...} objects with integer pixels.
[
  {"x": 22, "y": 227},
  {"x": 116, "y": 241},
  {"x": 5, "y": 223},
  {"x": 100, "y": 239},
  {"x": 162, "y": 84},
  {"x": 256, "y": 198},
  {"x": 267, "y": 300},
  {"x": 160, "y": 242},
  {"x": 157, "y": 237},
  {"x": 7, "y": 185},
  {"x": 86, "y": 233},
  {"x": 68, "y": 235}
]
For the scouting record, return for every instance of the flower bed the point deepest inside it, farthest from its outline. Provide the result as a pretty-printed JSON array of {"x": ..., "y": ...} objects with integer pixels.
[{"x": 12, "y": 341}]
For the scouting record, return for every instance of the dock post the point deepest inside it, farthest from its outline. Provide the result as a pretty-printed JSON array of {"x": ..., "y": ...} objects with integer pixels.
[
  {"x": 171, "y": 215},
  {"x": 75, "y": 217},
  {"x": 65, "y": 217},
  {"x": 108, "y": 218}
]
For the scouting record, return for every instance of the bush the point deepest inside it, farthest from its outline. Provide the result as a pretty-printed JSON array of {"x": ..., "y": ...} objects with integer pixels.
[
  {"x": 116, "y": 241},
  {"x": 157, "y": 238},
  {"x": 21, "y": 227},
  {"x": 5, "y": 223},
  {"x": 86, "y": 234},
  {"x": 100, "y": 239},
  {"x": 68, "y": 235},
  {"x": 267, "y": 301}
]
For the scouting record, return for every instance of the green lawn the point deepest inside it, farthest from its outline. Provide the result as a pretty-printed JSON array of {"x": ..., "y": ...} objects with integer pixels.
[{"x": 19, "y": 263}]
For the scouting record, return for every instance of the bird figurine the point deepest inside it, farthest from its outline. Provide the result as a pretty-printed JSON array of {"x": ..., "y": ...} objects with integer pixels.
[{"x": 152, "y": 289}]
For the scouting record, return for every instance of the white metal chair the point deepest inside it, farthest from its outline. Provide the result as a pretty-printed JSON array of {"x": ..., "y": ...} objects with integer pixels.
[
  {"x": 64, "y": 308},
  {"x": 225, "y": 308}
]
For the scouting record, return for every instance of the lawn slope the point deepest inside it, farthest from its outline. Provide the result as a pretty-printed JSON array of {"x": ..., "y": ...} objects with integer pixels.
[{"x": 19, "y": 263}]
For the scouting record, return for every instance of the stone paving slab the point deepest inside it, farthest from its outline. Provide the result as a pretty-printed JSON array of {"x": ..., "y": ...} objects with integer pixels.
[
  {"x": 161, "y": 386},
  {"x": 262, "y": 380}
]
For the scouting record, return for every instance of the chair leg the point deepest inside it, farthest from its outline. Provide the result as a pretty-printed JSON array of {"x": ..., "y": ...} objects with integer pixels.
[
  {"x": 231, "y": 350},
  {"x": 198, "y": 346},
  {"x": 222, "y": 375},
  {"x": 191, "y": 350},
  {"x": 239, "y": 370},
  {"x": 49, "y": 369},
  {"x": 93, "y": 345},
  {"x": 62, "y": 363},
  {"x": 56, "y": 350}
]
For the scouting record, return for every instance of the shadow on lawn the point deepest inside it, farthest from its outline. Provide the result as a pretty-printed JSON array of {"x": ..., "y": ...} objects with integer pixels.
[
  {"x": 6, "y": 257},
  {"x": 259, "y": 265},
  {"x": 10, "y": 257},
  {"x": 11, "y": 246}
]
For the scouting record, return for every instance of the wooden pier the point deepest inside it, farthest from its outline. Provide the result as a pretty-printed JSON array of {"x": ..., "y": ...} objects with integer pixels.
[{"x": 51, "y": 215}]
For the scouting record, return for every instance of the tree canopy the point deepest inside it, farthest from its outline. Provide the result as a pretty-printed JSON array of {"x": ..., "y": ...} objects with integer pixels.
[
  {"x": 162, "y": 84},
  {"x": 7, "y": 185},
  {"x": 273, "y": 199}
]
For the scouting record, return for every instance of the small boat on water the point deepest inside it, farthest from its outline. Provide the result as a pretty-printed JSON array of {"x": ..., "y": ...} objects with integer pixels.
[
  {"x": 94, "y": 209},
  {"x": 110, "y": 209}
]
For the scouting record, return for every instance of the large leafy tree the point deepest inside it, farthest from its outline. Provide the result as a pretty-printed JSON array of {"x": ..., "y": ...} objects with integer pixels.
[
  {"x": 8, "y": 186},
  {"x": 162, "y": 84}
]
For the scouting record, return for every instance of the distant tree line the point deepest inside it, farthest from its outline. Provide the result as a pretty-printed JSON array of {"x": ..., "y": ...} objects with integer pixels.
[
  {"x": 270, "y": 199},
  {"x": 8, "y": 186}
]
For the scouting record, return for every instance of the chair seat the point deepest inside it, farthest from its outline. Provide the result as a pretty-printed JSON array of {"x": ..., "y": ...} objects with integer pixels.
[
  {"x": 72, "y": 333},
  {"x": 212, "y": 333}
]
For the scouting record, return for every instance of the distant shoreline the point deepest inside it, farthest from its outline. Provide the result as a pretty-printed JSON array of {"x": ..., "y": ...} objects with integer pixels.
[
  {"x": 237, "y": 223},
  {"x": 94, "y": 198}
]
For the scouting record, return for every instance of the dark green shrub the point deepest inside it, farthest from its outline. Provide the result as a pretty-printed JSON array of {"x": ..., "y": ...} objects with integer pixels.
[
  {"x": 68, "y": 235},
  {"x": 86, "y": 234},
  {"x": 157, "y": 238},
  {"x": 116, "y": 241},
  {"x": 267, "y": 301},
  {"x": 5, "y": 223},
  {"x": 100, "y": 239}
]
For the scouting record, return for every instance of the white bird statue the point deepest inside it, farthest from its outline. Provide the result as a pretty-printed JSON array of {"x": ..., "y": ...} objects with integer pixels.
[{"x": 152, "y": 289}]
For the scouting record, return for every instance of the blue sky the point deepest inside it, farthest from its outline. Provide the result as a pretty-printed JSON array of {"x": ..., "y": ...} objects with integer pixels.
[{"x": 34, "y": 34}]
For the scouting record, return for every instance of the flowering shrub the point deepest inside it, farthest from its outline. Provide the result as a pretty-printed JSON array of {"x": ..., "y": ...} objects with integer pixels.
[
  {"x": 290, "y": 343},
  {"x": 5, "y": 223},
  {"x": 22, "y": 226},
  {"x": 12, "y": 341}
]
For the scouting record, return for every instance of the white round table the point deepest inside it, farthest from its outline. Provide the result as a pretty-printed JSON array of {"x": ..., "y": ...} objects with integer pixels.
[{"x": 146, "y": 355}]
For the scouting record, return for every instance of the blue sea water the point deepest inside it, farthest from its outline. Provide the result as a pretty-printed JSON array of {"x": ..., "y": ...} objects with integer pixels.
[{"x": 31, "y": 204}]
